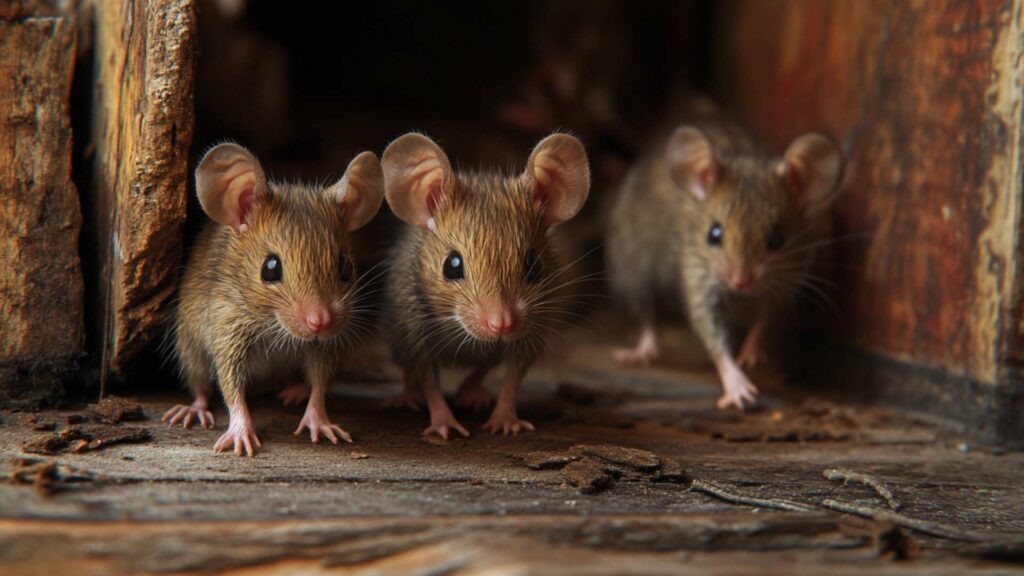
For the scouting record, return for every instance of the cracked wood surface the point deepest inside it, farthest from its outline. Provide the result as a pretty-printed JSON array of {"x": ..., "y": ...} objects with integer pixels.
[{"x": 468, "y": 506}]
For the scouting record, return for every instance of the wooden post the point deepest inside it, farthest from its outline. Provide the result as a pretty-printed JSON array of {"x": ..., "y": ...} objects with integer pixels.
[
  {"x": 41, "y": 308},
  {"x": 142, "y": 130},
  {"x": 926, "y": 101}
]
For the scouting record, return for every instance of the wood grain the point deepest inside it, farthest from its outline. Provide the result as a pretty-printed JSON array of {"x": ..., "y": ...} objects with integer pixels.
[
  {"x": 40, "y": 218},
  {"x": 142, "y": 130}
]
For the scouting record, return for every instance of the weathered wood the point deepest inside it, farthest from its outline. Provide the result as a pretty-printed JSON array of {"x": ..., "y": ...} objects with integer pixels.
[
  {"x": 926, "y": 101},
  {"x": 41, "y": 280},
  {"x": 142, "y": 130}
]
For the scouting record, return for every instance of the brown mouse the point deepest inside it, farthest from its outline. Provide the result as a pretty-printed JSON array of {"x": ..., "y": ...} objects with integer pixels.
[
  {"x": 471, "y": 280},
  {"x": 269, "y": 288},
  {"x": 710, "y": 225}
]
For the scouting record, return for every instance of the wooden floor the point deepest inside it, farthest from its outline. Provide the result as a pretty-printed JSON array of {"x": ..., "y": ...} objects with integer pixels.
[{"x": 394, "y": 503}]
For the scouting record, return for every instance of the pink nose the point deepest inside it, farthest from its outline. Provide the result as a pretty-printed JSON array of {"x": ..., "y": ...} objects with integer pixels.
[
  {"x": 502, "y": 321},
  {"x": 318, "y": 320},
  {"x": 740, "y": 279}
]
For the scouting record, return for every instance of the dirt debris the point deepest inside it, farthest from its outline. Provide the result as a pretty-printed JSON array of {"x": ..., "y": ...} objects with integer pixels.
[
  {"x": 115, "y": 409},
  {"x": 633, "y": 458},
  {"x": 548, "y": 460},
  {"x": 893, "y": 542},
  {"x": 86, "y": 438},
  {"x": 48, "y": 477},
  {"x": 588, "y": 475},
  {"x": 355, "y": 455},
  {"x": 593, "y": 468}
]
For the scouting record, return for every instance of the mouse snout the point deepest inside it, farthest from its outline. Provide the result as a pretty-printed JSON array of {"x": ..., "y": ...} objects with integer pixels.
[
  {"x": 316, "y": 317},
  {"x": 740, "y": 278},
  {"x": 498, "y": 318}
]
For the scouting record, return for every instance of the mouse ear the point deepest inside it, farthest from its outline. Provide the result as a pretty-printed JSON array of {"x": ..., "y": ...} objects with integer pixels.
[
  {"x": 691, "y": 161},
  {"x": 559, "y": 173},
  {"x": 417, "y": 175},
  {"x": 229, "y": 183},
  {"x": 360, "y": 190},
  {"x": 811, "y": 167}
]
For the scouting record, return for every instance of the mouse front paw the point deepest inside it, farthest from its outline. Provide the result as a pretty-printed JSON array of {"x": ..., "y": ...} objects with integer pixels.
[
  {"x": 240, "y": 438},
  {"x": 507, "y": 423},
  {"x": 442, "y": 425},
  {"x": 739, "y": 391},
  {"x": 196, "y": 412},
  {"x": 319, "y": 424}
]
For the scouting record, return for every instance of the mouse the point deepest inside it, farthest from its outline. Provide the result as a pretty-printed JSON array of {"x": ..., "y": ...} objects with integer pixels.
[
  {"x": 473, "y": 276},
  {"x": 709, "y": 226},
  {"x": 270, "y": 289}
]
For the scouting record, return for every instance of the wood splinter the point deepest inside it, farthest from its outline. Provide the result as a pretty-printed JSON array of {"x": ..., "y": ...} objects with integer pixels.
[
  {"x": 735, "y": 498},
  {"x": 845, "y": 475},
  {"x": 937, "y": 529}
]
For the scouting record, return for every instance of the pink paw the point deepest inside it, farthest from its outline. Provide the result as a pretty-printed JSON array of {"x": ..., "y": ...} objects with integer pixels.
[
  {"x": 473, "y": 398},
  {"x": 506, "y": 423},
  {"x": 187, "y": 414},
  {"x": 412, "y": 400},
  {"x": 318, "y": 424},
  {"x": 640, "y": 356},
  {"x": 739, "y": 391},
  {"x": 443, "y": 426},
  {"x": 241, "y": 437},
  {"x": 294, "y": 394}
]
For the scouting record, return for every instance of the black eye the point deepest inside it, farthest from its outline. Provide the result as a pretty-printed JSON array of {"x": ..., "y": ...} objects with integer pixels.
[
  {"x": 532, "y": 267},
  {"x": 346, "y": 269},
  {"x": 776, "y": 239},
  {"x": 453, "y": 269},
  {"x": 715, "y": 235},
  {"x": 271, "y": 271}
]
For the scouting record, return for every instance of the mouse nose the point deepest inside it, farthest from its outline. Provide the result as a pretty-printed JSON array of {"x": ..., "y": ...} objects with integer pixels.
[
  {"x": 318, "y": 319},
  {"x": 499, "y": 318},
  {"x": 740, "y": 278}
]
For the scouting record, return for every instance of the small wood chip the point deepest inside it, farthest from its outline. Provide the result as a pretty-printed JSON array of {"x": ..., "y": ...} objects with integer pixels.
[
  {"x": 587, "y": 475},
  {"x": 640, "y": 460},
  {"x": 548, "y": 460},
  {"x": 114, "y": 409},
  {"x": 925, "y": 527},
  {"x": 671, "y": 471},
  {"x": 358, "y": 455}
]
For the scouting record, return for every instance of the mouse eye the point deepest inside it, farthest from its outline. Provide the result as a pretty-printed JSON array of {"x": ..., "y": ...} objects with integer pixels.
[
  {"x": 715, "y": 235},
  {"x": 532, "y": 268},
  {"x": 346, "y": 269},
  {"x": 776, "y": 239},
  {"x": 271, "y": 271},
  {"x": 453, "y": 268}
]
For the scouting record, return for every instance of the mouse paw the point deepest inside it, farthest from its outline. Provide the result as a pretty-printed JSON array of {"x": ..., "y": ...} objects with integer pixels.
[
  {"x": 241, "y": 438},
  {"x": 507, "y": 423},
  {"x": 473, "y": 398},
  {"x": 196, "y": 412},
  {"x": 642, "y": 355},
  {"x": 442, "y": 426},
  {"x": 412, "y": 400},
  {"x": 296, "y": 393},
  {"x": 319, "y": 424},
  {"x": 750, "y": 355},
  {"x": 739, "y": 391}
]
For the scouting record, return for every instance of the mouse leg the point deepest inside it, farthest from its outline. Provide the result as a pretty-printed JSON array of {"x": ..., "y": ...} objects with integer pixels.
[
  {"x": 751, "y": 353},
  {"x": 471, "y": 393},
  {"x": 645, "y": 351},
  {"x": 196, "y": 368},
  {"x": 442, "y": 421},
  {"x": 706, "y": 322},
  {"x": 315, "y": 419},
  {"x": 504, "y": 419},
  {"x": 241, "y": 433}
]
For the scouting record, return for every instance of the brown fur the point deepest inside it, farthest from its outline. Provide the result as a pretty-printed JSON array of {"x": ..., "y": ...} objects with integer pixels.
[
  {"x": 492, "y": 221},
  {"x": 658, "y": 256},
  {"x": 227, "y": 323}
]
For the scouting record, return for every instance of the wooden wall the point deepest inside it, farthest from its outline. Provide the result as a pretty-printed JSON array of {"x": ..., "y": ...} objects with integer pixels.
[
  {"x": 925, "y": 99},
  {"x": 42, "y": 334}
]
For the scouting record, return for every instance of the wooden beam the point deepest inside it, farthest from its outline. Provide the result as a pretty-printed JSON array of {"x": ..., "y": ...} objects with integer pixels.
[
  {"x": 142, "y": 130},
  {"x": 40, "y": 218}
]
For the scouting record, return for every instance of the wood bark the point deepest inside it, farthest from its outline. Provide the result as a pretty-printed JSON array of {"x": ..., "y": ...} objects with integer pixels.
[
  {"x": 41, "y": 307},
  {"x": 142, "y": 130}
]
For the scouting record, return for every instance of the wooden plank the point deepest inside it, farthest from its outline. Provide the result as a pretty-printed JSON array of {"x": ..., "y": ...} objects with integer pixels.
[
  {"x": 142, "y": 130},
  {"x": 925, "y": 98},
  {"x": 40, "y": 218}
]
